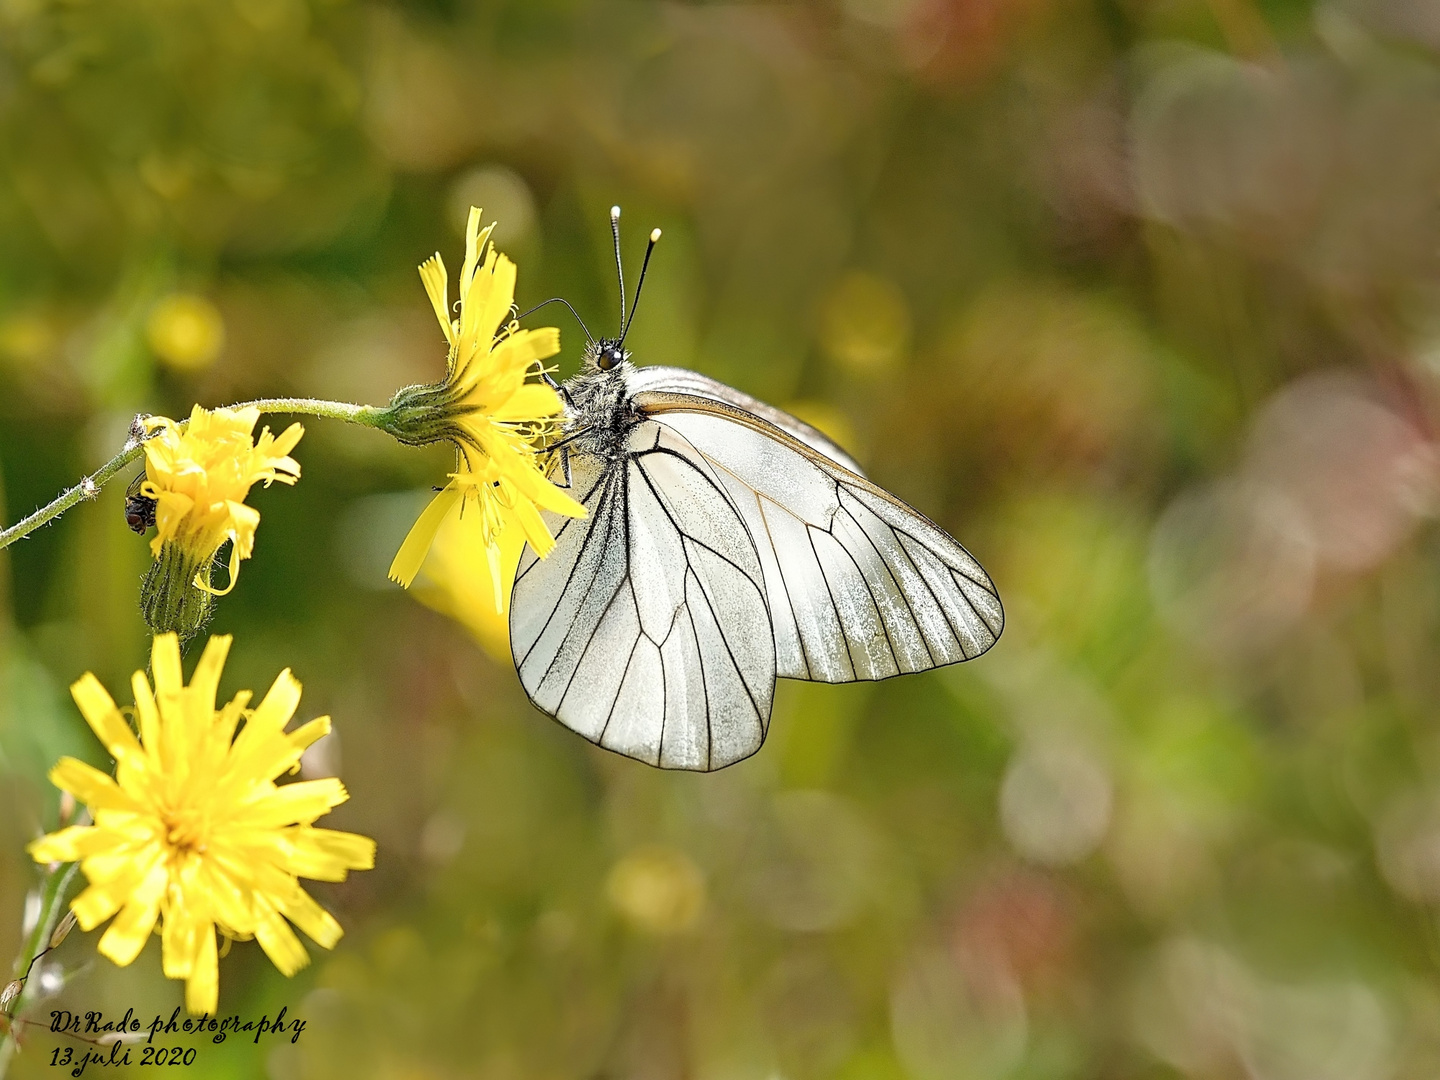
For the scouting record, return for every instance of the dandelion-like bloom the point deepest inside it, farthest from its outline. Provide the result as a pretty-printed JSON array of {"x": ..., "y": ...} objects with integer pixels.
[
  {"x": 193, "y": 831},
  {"x": 489, "y": 408},
  {"x": 199, "y": 476}
]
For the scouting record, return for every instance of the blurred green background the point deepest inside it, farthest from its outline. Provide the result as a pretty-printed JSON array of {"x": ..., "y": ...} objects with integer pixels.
[{"x": 1139, "y": 298}]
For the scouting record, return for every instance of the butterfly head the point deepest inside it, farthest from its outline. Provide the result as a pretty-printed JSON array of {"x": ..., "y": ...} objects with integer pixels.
[
  {"x": 605, "y": 354},
  {"x": 609, "y": 354}
]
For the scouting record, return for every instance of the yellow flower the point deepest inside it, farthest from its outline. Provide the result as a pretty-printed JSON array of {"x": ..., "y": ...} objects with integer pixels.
[
  {"x": 192, "y": 830},
  {"x": 199, "y": 476},
  {"x": 488, "y": 407}
]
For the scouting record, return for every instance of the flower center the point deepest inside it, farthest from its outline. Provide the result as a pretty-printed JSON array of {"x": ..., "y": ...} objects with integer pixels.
[{"x": 185, "y": 831}]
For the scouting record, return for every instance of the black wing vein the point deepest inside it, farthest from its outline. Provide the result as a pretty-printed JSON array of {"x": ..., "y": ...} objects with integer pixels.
[
  {"x": 875, "y": 600},
  {"x": 599, "y": 739},
  {"x": 570, "y": 577},
  {"x": 899, "y": 592},
  {"x": 687, "y": 539}
]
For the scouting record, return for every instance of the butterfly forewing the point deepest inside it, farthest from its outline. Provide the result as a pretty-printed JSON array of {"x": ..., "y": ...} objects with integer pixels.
[
  {"x": 860, "y": 586},
  {"x": 673, "y": 380},
  {"x": 646, "y": 629}
]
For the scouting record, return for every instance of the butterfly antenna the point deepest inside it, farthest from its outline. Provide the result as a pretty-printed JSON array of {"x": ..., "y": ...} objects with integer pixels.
[
  {"x": 619, "y": 269},
  {"x": 560, "y": 300},
  {"x": 654, "y": 239}
]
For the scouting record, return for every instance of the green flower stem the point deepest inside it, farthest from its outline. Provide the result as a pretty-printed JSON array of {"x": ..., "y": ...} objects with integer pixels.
[
  {"x": 364, "y": 415},
  {"x": 89, "y": 487},
  {"x": 54, "y": 892}
]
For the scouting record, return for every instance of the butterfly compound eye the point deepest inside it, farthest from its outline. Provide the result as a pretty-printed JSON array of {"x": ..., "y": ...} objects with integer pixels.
[{"x": 608, "y": 358}]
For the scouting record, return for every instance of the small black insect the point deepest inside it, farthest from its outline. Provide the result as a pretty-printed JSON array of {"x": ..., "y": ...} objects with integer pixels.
[{"x": 139, "y": 508}]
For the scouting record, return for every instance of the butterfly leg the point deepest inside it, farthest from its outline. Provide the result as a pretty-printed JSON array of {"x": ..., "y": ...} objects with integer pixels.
[
  {"x": 563, "y": 450},
  {"x": 559, "y": 388}
]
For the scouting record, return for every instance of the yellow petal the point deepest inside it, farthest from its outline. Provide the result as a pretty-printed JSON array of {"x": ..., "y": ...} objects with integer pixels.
[
  {"x": 148, "y": 713},
  {"x": 432, "y": 273},
  {"x": 272, "y": 714},
  {"x": 524, "y": 347},
  {"x": 253, "y": 860},
  {"x": 205, "y": 682},
  {"x": 497, "y": 301},
  {"x": 99, "y": 710},
  {"x": 533, "y": 526},
  {"x": 230, "y": 899},
  {"x": 507, "y": 365},
  {"x": 301, "y": 802},
  {"x": 242, "y": 421},
  {"x": 94, "y": 906},
  {"x": 121, "y": 869},
  {"x": 317, "y": 923},
  {"x": 492, "y": 562},
  {"x": 271, "y": 757},
  {"x": 230, "y": 717},
  {"x": 171, "y": 510},
  {"x": 284, "y": 443},
  {"x": 91, "y": 786},
  {"x": 180, "y": 940},
  {"x": 202, "y": 989},
  {"x": 326, "y": 854},
  {"x": 533, "y": 401},
  {"x": 306, "y": 734},
  {"x": 417, "y": 543},
  {"x": 157, "y": 457},
  {"x": 533, "y": 483},
  {"x": 165, "y": 663},
  {"x": 72, "y": 844},
  {"x": 237, "y": 553},
  {"x": 280, "y": 944},
  {"x": 475, "y": 239},
  {"x": 244, "y": 520},
  {"x": 131, "y": 929}
]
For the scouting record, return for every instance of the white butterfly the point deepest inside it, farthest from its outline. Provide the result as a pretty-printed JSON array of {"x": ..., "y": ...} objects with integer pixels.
[{"x": 727, "y": 544}]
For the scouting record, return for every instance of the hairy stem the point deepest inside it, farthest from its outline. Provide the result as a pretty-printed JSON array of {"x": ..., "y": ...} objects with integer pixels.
[
  {"x": 54, "y": 890},
  {"x": 89, "y": 486}
]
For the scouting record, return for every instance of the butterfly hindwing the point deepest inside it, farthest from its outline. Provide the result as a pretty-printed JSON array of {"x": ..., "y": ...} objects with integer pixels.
[
  {"x": 860, "y": 586},
  {"x": 646, "y": 629}
]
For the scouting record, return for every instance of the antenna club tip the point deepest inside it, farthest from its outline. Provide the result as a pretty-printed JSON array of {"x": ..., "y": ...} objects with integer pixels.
[
  {"x": 654, "y": 235},
  {"x": 614, "y": 213}
]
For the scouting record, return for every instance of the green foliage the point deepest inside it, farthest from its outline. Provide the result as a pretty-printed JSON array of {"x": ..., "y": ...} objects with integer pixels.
[{"x": 1137, "y": 300}]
